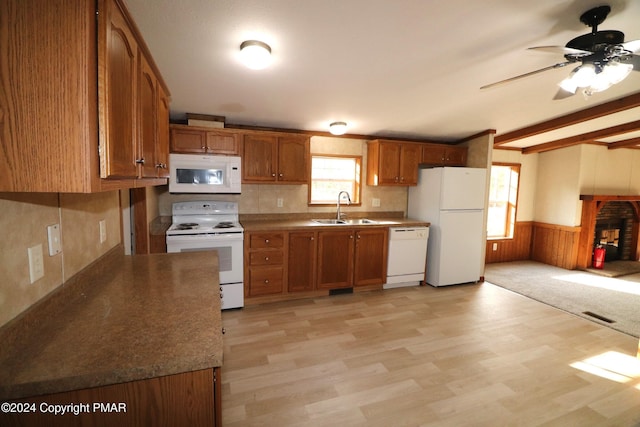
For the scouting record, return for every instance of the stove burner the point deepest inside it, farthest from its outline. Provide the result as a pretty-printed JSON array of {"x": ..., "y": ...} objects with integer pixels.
[
  {"x": 224, "y": 224},
  {"x": 187, "y": 226}
]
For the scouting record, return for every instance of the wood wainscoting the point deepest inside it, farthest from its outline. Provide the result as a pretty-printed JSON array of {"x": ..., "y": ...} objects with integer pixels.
[
  {"x": 555, "y": 245},
  {"x": 551, "y": 244},
  {"x": 516, "y": 249}
]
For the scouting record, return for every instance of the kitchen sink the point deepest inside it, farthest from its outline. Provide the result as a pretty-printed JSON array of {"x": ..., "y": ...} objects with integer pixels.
[
  {"x": 359, "y": 221},
  {"x": 333, "y": 221},
  {"x": 329, "y": 221}
]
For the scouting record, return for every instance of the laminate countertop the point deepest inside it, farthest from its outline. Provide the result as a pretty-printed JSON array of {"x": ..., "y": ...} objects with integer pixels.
[
  {"x": 124, "y": 318},
  {"x": 294, "y": 224}
]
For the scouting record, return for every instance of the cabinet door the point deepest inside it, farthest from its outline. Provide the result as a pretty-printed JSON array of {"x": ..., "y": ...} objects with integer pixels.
[
  {"x": 433, "y": 154},
  {"x": 301, "y": 267},
  {"x": 220, "y": 142},
  {"x": 335, "y": 259},
  {"x": 456, "y": 156},
  {"x": 148, "y": 102},
  {"x": 188, "y": 141},
  {"x": 410, "y": 156},
  {"x": 389, "y": 163},
  {"x": 293, "y": 159},
  {"x": 117, "y": 107},
  {"x": 371, "y": 257},
  {"x": 162, "y": 140},
  {"x": 259, "y": 156}
]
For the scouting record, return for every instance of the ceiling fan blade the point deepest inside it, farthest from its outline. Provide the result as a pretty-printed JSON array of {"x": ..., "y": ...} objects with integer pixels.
[
  {"x": 561, "y": 50},
  {"x": 531, "y": 73},
  {"x": 632, "y": 46},
  {"x": 562, "y": 94}
]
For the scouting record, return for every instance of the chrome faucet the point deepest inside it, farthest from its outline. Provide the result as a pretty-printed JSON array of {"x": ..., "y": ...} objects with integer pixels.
[{"x": 338, "y": 214}]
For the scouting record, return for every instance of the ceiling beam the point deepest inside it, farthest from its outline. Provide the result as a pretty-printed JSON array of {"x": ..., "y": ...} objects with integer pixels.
[
  {"x": 601, "y": 110},
  {"x": 625, "y": 143},
  {"x": 584, "y": 138}
]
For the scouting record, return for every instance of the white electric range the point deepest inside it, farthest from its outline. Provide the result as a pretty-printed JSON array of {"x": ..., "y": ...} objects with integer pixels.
[{"x": 212, "y": 225}]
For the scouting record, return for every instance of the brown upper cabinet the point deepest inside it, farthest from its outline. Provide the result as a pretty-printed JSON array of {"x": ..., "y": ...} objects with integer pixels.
[
  {"x": 201, "y": 140},
  {"x": 272, "y": 157},
  {"x": 393, "y": 162},
  {"x": 443, "y": 155},
  {"x": 89, "y": 120}
]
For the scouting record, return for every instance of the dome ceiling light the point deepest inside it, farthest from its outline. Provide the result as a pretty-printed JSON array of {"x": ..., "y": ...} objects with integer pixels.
[
  {"x": 255, "y": 54},
  {"x": 338, "y": 128}
]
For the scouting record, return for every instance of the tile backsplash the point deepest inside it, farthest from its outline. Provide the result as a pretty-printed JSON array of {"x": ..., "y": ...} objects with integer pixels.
[{"x": 25, "y": 217}]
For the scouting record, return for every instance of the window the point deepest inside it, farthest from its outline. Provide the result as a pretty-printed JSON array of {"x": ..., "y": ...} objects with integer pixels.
[
  {"x": 333, "y": 174},
  {"x": 503, "y": 198}
]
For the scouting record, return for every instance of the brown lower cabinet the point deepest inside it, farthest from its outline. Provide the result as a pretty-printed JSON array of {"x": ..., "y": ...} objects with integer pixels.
[
  {"x": 301, "y": 263},
  {"x": 186, "y": 399},
  {"x": 352, "y": 257},
  {"x": 282, "y": 264}
]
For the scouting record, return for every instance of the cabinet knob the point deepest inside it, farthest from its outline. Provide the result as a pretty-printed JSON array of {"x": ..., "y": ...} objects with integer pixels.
[
  {"x": 311, "y": 238},
  {"x": 140, "y": 161},
  {"x": 266, "y": 281},
  {"x": 273, "y": 174},
  {"x": 266, "y": 240},
  {"x": 351, "y": 236},
  {"x": 266, "y": 258},
  {"x": 280, "y": 175}
]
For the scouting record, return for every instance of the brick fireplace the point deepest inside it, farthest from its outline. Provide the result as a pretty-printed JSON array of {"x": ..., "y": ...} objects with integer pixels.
[{"x": 610, "y": 221}]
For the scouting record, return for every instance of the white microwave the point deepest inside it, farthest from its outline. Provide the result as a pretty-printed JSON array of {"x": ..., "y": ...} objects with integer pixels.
[{"x": 194, "y": 173}]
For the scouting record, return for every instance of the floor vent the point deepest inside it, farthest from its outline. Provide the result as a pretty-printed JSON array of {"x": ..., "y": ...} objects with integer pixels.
[
  {"x": 340, "y": 291},
  {"x": 597, "y": 316}
]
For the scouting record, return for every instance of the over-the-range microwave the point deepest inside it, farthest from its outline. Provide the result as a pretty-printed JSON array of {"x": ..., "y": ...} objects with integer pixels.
[{"x": 195, "y": 173}]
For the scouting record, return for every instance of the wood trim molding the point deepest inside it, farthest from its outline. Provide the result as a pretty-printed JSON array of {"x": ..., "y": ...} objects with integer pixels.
[
  {"x": 601, "y": 110},
  {"x": 584, "y": 138}
]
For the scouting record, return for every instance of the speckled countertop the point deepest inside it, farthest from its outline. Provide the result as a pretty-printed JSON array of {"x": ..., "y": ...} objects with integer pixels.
[{"x": 124, "y": 318}]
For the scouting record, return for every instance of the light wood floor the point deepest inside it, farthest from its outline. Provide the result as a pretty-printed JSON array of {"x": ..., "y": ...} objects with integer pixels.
[{"x": 473, "y": 355}]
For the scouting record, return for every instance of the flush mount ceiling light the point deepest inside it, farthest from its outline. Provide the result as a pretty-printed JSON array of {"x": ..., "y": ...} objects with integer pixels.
[
  {"x": 255, "y": 54},
  {"x": 338, "y": 128}
]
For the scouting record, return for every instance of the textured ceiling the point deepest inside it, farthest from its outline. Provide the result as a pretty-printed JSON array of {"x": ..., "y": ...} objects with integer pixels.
[{"x": 402, "y": 68}]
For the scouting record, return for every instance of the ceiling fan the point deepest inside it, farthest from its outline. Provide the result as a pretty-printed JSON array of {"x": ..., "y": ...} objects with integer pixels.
[{"x": 604, "y": 56}]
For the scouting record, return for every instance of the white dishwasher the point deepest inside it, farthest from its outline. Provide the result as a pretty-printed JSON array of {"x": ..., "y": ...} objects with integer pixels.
[{"x": 407, "y": 258}]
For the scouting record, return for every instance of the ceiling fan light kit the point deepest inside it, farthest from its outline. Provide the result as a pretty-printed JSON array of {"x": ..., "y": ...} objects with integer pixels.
[{"x": 605, "y": 58}]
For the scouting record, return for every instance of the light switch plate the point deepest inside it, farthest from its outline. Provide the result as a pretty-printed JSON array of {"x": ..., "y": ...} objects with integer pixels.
[
  {"x": 36, "y": 263},
  {"x": 55, "y": 246}
]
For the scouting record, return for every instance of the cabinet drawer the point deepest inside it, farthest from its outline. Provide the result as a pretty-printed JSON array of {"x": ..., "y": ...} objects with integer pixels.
[
  {"x": 265, "y": 258},
  {"x": 264, "y": 281},
  {"x": 266, "y": 240}
]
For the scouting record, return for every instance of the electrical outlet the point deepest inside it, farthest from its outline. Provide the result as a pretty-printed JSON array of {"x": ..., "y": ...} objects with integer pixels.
[
  {"x": 494, "y": 246},
  {"x": 103, "y": 231},
  {"x": 53, "y": 234},
  {"x": 36, "y": 263},
  {"x": 375, "y": 202},
  {"x": 279, "y": 202}
]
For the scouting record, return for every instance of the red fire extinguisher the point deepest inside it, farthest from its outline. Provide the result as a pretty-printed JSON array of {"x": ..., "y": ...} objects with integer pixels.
[{"x": 598, "y": 257}]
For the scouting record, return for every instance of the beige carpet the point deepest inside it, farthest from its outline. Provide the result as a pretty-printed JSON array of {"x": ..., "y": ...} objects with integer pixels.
[{"x": 612, "y": 300}]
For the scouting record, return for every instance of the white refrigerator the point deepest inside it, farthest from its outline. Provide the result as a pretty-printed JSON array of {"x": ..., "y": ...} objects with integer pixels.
[{"x": 452, "y": 199}]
